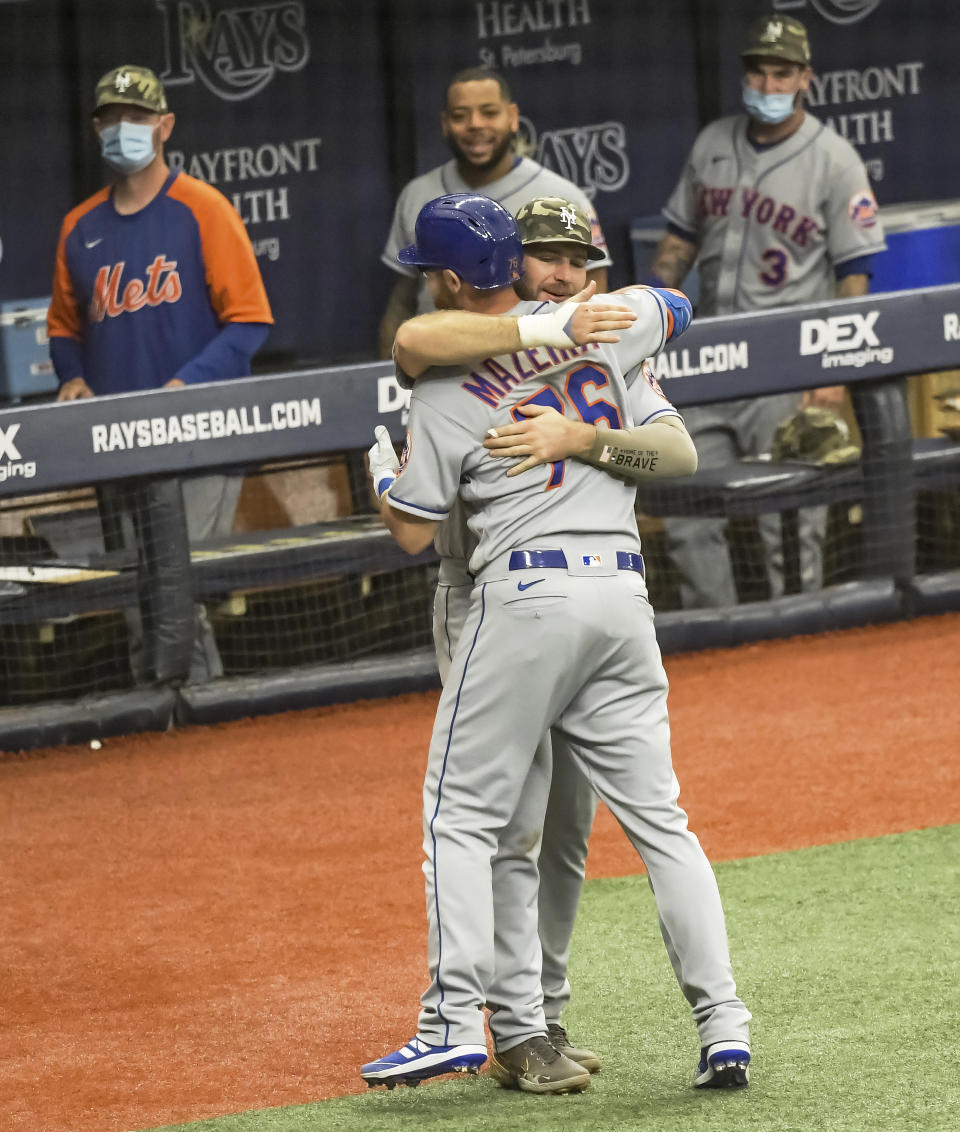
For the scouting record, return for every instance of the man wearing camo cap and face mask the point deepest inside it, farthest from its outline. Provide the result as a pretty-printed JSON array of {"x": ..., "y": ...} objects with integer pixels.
[
  {"x": 776, "y": 209},
  {"x": 155, "y": 285}
]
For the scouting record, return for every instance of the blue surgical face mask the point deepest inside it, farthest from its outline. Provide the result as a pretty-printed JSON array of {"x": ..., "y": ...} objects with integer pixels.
[
  {"x": 128, "y": 146},
  {"x": 769, "y": 108}
]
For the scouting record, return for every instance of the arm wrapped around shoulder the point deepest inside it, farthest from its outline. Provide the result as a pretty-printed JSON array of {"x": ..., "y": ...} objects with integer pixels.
[{"x": 661, "y": 448}]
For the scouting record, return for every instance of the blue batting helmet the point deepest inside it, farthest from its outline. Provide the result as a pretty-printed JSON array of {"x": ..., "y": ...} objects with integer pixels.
[{"x": 473, "y": 236}]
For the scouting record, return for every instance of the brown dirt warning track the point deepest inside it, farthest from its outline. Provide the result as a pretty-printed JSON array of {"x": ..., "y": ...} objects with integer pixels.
[{"x": 231, "y": 917}]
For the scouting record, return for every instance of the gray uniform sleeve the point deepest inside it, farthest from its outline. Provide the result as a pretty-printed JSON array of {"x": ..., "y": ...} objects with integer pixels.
[
  {"x": 429, "y": 477},
  {"x": 401, "y": 234},
  {"x": 681, "y": 208},
  {"x": 853, "y": 221},
  {"x": 648, "y": 334},
  {"x": 646, "y": 399}
]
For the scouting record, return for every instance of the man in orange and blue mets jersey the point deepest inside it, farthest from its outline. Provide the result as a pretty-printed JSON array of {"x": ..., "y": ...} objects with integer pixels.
[{"x": 156, "y": 284}]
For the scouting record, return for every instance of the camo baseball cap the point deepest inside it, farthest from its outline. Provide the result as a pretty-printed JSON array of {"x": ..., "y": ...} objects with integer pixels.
[
  {"x": 132, "y": 86},
  {"x": 553, "y": 220},
  {"x": 814, "y": 435},
  {"x": 780, "y": 36}
]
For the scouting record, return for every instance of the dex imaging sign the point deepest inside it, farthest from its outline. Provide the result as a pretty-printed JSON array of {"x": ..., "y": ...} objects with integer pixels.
[
  {"x": 844, "y": 340},
  {"x": 11, "y": 463}
]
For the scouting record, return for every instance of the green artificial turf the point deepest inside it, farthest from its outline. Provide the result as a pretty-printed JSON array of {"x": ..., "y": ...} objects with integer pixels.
[{"x": 846, "y": 954}]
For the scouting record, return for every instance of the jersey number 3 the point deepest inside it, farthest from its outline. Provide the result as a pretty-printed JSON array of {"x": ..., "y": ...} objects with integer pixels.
[
  {"x": 776, "y": 272},
  {"x": 580, "y": 383}
]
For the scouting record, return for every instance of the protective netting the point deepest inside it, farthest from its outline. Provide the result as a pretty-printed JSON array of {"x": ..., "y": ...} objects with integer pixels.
[
  {"x": 809, "y": 509},
  {"x": 101, "y": 588},
  {"x": 181, "y": 581}
]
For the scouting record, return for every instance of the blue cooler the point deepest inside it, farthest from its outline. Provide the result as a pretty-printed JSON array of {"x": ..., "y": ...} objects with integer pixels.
[
  {"x": 25, "y": 366},
  {"x": 923, "y": 246}
]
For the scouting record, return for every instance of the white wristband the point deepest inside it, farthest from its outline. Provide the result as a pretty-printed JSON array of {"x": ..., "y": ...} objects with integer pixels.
[{"x": 549, "y": 329}]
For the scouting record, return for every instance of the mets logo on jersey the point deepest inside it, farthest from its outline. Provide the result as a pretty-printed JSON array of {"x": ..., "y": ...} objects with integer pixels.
[
  {"x": 650, "y": 378},
  {"x": 162, "y": 286},
  {"x": 405, "y": 454},
  {"x": 863, "y": 209}
]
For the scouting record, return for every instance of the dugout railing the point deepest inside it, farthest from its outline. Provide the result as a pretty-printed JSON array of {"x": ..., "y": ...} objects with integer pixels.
[{"x": 160, "y": 439}]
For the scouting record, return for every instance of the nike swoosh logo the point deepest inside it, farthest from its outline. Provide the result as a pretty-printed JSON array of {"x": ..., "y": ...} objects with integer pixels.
[
  {"x": 92, "y": 243},
  {"x": 526, "y": 585},
  {"x": 719, "y": 157}
]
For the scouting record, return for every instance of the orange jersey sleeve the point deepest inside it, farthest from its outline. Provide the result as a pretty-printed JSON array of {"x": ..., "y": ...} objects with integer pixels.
[
  {"x": 233, "y": 277},
  {"x": 64, "y": 319}
]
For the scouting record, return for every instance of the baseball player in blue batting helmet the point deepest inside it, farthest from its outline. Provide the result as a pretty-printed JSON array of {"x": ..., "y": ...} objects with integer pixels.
[
  {"x": 582, "y": 660},
  {"x": 473, "y": 236}
]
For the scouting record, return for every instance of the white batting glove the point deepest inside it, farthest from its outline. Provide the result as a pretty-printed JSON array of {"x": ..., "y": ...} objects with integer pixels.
[
  {"x": 383, "y": 461},
  {"x": 547, "y": 329}
]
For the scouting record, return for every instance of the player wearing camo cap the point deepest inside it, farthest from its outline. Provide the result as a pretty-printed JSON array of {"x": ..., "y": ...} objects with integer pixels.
[
  {"x": 128, "y": 85},
  {"x": 582, "y": 656},
  {"x": 557, "y": 249},
  {"x": 480, "y": 122},
  {"x": 156, "y": 284},
  {"x": 776, "y": 209}
]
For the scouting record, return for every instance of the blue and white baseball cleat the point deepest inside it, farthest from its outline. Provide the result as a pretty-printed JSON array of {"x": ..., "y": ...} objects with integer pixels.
[
  {"x": 724, "y": 1065},
  {"x": 417, "y": 1061}
]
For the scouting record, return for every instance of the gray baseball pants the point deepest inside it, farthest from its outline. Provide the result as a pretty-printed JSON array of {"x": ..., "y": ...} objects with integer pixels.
[
  {"x": 562, "y": 834},
  {"x": 577, "y": 653}
]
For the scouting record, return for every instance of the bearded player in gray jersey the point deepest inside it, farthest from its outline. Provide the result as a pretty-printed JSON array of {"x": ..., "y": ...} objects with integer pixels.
[
  {"x": 578, "y": 653},
  {"x": 480, "y": 121},
  {"x": 777, "y": 209}
]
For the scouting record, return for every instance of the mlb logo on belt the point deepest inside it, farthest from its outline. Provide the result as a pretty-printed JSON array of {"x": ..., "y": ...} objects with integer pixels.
[{"x": 592, "y": 560}]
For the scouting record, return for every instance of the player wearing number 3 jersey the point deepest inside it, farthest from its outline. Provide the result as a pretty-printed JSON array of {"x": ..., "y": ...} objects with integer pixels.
[
  {"x": 777, "y": 209},
  {"x": 559, "y": 635}
]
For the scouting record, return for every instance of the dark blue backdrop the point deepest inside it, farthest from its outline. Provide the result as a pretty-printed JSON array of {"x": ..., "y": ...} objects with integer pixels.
[
  {"x": 284, "y": 105},
  {"x": 607, "y": 92},
  {"x": 36, "y": 142}
]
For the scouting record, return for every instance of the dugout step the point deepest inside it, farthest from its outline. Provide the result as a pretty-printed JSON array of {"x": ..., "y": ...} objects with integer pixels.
[
  {"x": 933, "y": 593},
  {"x": 849, "y": 604},
  {"x": 55, "y": 588},
  {"x": 54, "y": 723},
  {"x": 355, "y": 544},
  {"x": 319, "y": 685},
  {"x": 936, "y": 462}
]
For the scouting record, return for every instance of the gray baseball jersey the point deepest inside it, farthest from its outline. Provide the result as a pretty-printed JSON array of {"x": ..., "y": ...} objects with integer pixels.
[
  {"x": 526, "y": 180},
  {"x": 773, "y": 223},
  {"x": 455, "y": 542},
  {"x": 559, "y": 635},
  {"x": 450, "y": 419}
]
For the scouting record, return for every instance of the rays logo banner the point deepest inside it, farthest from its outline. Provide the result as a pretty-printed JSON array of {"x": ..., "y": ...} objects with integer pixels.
[
  {"x": 836, "y": 11},
  {"x": 236, "y": 52}
]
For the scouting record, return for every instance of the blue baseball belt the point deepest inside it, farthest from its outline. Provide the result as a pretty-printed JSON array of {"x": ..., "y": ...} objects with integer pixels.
[{"x": 557, "y": 560}]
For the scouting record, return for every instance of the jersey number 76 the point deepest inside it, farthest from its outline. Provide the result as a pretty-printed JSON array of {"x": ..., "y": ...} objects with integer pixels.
[{"x": 579, "y": 383}]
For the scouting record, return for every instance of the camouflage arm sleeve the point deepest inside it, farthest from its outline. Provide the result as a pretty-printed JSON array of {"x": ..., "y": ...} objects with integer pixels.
[{"x": 659, "y": 448}]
